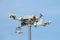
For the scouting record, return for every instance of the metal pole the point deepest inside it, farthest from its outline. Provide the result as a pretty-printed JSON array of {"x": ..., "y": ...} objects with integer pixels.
[{"x": 29, "y": 32}]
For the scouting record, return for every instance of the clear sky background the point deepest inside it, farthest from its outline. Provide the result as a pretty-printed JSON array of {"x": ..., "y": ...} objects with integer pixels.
[{"x": 49, "y": 8}]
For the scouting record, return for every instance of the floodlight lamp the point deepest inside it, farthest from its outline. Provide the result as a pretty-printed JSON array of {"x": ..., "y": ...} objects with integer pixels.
[{"x": 18, "y": 30}]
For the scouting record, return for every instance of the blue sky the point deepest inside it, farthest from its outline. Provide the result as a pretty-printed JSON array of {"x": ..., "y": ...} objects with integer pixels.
[{"x": 49, "y": 8}]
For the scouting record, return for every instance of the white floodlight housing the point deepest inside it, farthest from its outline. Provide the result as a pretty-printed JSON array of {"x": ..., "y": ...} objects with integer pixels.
[
  {"x": 28, "y": 16},
  {"x": 18, "y": 30},
  {"x": 42, "y": 23},
  {"x": 11, "y": 15}
]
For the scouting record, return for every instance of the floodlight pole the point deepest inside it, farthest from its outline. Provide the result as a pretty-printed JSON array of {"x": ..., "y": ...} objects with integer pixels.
[
  {"x": 29, "y": 32},
  {"x": 29, "y": 23}
]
